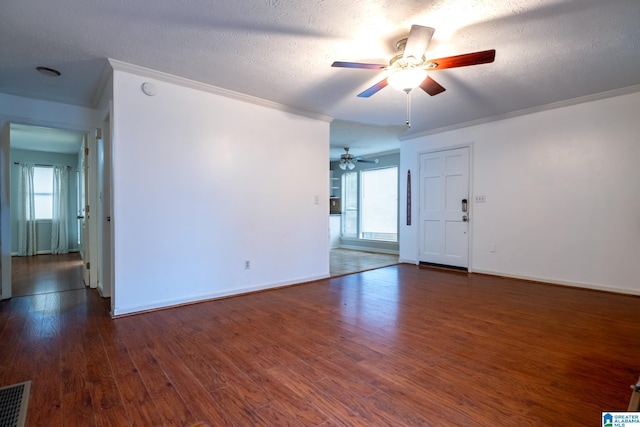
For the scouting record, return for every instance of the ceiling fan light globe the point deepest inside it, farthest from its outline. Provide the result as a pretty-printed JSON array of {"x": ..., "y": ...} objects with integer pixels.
[
  {"x": 406, "y": 79},
  {"x": 343, "y": 166},
  {"x": 351, "y": 166}
]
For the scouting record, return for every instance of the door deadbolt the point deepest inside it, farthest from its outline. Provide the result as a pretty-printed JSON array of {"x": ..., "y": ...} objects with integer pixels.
[{"x": 465, "y": 218}]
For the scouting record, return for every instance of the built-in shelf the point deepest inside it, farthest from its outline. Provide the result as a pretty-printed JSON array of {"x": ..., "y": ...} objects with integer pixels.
[{"x": 334, "y": 185}]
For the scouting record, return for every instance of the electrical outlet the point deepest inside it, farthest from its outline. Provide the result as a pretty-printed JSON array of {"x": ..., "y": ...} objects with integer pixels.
[
  {"x": 247, "y": 265},
  {"x": 481, "y": 199}
]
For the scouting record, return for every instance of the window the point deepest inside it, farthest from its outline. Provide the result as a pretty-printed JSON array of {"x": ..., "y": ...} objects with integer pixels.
[
  {"x": 372, "y": 212},
  {"x": 350, "y": 203},
  {"x": 379, "y": 202},
  {"x": 43, "y": 192}
]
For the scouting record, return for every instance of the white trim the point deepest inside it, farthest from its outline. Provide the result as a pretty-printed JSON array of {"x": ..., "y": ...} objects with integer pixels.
[
  {"x": 17, "y": 120},
  {"x": 561, "y": 282},
  {"x": 170, "y": 78},
  {"x": 548, "y": 281},
  {"x": 47, "y": 252},
  {"x": 164, "y": 304},
  {"x": 540, "y": 108}
]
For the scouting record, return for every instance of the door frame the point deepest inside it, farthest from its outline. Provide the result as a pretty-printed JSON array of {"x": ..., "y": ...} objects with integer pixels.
[
  {"x": 5, "y": 203},
  {"x": 85, "y": 246},
  {"x": 105, "y": 209},
  {"x": 5, "y": 211},
  {"x": 468, "y": 145}
]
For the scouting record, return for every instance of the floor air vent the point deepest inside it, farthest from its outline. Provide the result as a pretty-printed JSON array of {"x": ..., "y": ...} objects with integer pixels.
[{"x": 13, "y": 404}]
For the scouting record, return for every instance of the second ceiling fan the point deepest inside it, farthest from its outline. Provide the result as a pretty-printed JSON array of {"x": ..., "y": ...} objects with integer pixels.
[
  {"x": 348, "y": 160},
  {"x": 409, "y": 67}
]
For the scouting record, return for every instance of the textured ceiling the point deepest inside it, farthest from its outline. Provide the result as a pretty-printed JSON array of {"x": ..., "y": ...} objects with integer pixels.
[{"x": 281, "y": 50}]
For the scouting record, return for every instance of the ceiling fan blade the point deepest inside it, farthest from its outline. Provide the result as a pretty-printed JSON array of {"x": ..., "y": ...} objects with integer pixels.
[
  {"x": 358, "y": 65},
  {"x": 418, "y": 41},
  {"x": 373, "y": 89},
  {"x": 361, "y": 160},
  {"x": 431, "y": 86},
  {"x": 474, "y": 58}
]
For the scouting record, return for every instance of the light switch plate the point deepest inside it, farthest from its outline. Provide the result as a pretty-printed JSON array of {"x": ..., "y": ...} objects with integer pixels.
[{"x": 481, "y": 199}]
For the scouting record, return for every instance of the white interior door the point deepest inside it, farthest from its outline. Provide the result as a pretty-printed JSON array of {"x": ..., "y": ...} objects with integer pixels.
[{"x": 444, "y": 217}]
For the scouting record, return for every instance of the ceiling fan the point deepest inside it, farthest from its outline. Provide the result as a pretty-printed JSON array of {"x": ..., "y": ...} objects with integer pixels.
[
  {"x": 348, "y": 161},
  {"x": 409, "y": 67}
]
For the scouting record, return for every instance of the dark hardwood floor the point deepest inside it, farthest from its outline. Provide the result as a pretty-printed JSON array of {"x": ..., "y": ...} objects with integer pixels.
[
  {"x": 41, "y": 274},
  {"x": 397, "y": 346}
]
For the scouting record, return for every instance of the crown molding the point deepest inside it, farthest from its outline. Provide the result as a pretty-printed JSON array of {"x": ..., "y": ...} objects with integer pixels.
[
  {"x": 192, "y": 84},
  {"x": 538, "y": 109}
]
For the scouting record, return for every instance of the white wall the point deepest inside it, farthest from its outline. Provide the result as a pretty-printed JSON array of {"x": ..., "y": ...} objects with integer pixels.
[
  {"x": 562, "y": 200},
  {"x": 203, "y": 182}
]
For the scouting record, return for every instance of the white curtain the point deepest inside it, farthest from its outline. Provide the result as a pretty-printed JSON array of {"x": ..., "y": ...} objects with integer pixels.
[
  {"x": 26, "y": 211},
  {"x": 60, "y": 214}
]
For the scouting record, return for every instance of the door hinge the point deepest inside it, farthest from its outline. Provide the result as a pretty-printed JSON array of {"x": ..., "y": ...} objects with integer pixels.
[
  {"x": 87, "y": 209},
  {"x": 86, "y": 151},
  {"x": 88, "y": 266},
  {"x": 98, "y": 133}
]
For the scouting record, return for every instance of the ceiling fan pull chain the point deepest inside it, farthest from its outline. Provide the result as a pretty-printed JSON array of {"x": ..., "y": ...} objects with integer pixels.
[{"x": 408, "y": 108}]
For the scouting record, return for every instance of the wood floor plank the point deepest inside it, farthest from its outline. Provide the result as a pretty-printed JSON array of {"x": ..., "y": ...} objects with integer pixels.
[
  {"x": 172, "y": 408},
  {"x": 116, "y": 417},
  {"x": 103, "y": 386},
  {"x": 77, "y": 409},
  {"x": 275, "y": 414},
  {"x": 332, "y": 406},
  {"x": 137, "y": 402},
  {"x": 190, "y": 389}
]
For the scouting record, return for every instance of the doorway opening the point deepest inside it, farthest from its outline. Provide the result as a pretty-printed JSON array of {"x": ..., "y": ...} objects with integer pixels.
[{"x": 47, "y": 266}]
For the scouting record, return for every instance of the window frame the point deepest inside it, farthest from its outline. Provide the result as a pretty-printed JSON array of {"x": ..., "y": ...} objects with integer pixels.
[
  {"x": 359, "y": 192},
  {"x": 345, "y": 204}
]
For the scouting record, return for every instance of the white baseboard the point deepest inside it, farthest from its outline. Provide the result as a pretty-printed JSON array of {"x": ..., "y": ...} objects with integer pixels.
[
  {"x": 561, "y": 282},
  {"x": 47, "y": 252},
  {"x": 102, "y": 292},
  {"x": 157, "y": 305},
  {"x": 543, "y": 280}
]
